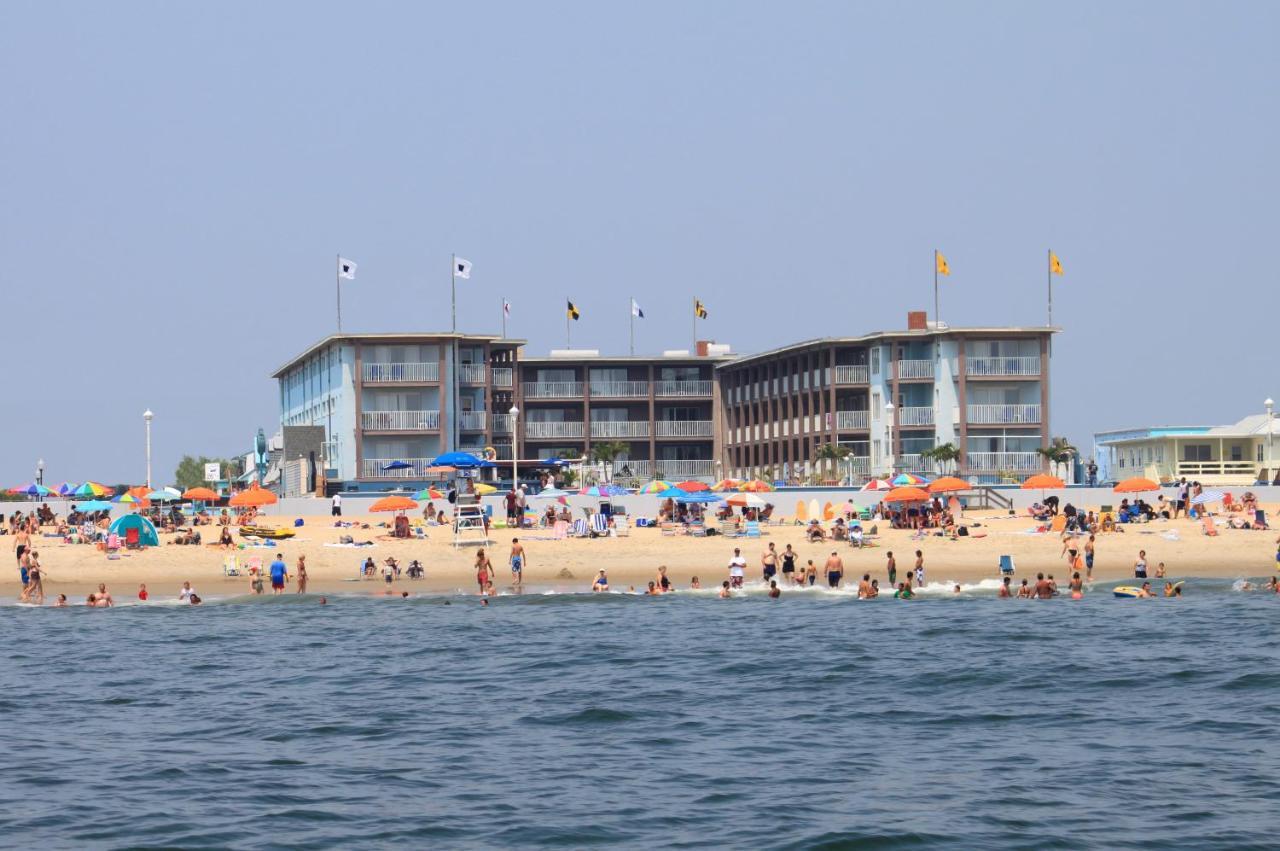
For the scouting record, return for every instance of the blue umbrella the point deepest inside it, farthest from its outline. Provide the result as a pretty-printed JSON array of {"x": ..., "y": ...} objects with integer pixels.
[
  {"x": 605, "y": 491},
  {"x": 397, "y": 465},
  {"x": 460, "y": 460},
  {"x": 551, "y": 493},
  {"x": 94, "y": 505},
  {"x": 687, "y": 497}
]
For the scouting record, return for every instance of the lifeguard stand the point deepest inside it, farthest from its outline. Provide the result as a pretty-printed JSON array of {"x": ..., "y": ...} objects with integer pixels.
[{"x": 468, "y": 516}]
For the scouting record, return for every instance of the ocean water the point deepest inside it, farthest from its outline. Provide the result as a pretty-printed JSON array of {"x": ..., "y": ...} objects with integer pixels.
[{"x": 813, "y": 721}]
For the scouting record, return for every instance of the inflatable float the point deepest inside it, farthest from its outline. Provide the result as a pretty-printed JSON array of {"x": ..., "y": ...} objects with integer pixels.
[
  {"x": 266, "y": 532},
  {"x": 1127, "y": 591}
]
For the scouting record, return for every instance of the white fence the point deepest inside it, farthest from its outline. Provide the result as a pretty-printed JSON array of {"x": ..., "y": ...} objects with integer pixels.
[
  {"x": 914, "y": 368},
  {"x": 852, "y": 420},
  {"x": 619, "y": 389},
  {"x": 553, "y": 389},
  {"x": 606, "y": 429},
  {"x": 375, "y": 373},
  {"x": 1003, "y": 414},
  {"x": 555, "y": 431},
  {"x": 682, "y": 428},
  {"x": 673, "y": 471},
  {"x": 1002, "y": 366},
  {"x": 472, "y": 420},
  {"x": 400, "y": 420},
  {"x": 996, "y": 462},
  {"x": 856, "y": 374},
  {"x": 682, "y": 388},
  {"x": 502, "y": 423},
  {"x": 371, "y": 468},
  {"x": 471, "y": 373},
  {"x": 915, "y": 416},
  {"x": 502, "y": 376}
]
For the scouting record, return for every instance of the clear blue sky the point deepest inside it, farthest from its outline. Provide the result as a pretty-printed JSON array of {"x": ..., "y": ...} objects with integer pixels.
[{"x": 178, "y": 177}]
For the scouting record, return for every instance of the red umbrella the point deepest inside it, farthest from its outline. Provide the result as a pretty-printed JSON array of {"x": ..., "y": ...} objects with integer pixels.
[{"x": 692, "y": 487}]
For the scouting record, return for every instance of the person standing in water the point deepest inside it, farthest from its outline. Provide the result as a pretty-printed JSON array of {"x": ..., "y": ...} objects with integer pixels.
[
  {"x": 279, "y": 573},
  {"x": 789, "y": 565},
  {"x": 737, "y": 569},
  {"x": 919, "y": 569},
  {"x": 518, "y": 560},
  {"x": 835, "y": 570},
  {"x": 769, "y": 561},
  {"x": 892, "y": 565},
  {"x": 484, "y": 571},
  {"x": 35, "y": 580},
  {"x": 1088, "y": 558}
]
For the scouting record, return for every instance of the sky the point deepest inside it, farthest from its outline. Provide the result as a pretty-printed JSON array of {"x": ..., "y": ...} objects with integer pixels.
[{"x": 177, "y": 180}]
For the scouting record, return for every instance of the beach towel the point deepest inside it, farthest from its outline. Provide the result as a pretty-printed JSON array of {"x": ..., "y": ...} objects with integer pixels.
[{"x": 352, "y": 545}]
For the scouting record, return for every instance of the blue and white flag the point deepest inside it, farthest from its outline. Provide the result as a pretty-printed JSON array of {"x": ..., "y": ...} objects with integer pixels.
[{"x": 635, "y": 310}]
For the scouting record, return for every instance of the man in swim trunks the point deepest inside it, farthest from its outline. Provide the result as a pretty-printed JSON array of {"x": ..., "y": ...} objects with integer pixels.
[
  {"x": 1140, "y": 565},
  {"x": 835, "y": 570},
  {"x": 1044, "y": 588},
  {"x": 1004, "y": 588},
  {"x": 518, "y": 559},
  {"x": 737, "y": 569},
  {"x": 789, "y": 565},
  {"x": 919, "y": 569},
  {"x": 864, "y": 587},
  {"x": 1088, "y": 558},
  {"x": 103, "y": 597},
  {"x": 892, "y": 565},
  {"x": 278, "y": 575},
  {"x": 770, "y": 562}
]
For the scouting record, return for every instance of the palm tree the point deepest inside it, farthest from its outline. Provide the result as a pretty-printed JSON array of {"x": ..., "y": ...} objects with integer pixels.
[
  {"x": 945, "y": 453},
  {"x": 607, "y": 452},
  {"x": 832, "y": 453},
  {"x": 1059, "y": 451}
]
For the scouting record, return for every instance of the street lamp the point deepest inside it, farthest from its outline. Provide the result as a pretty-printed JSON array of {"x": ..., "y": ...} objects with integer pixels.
[
  {"x": 888, "y": 436},
  {"x": 40, "y": 472},
  {"x": 1271, "y": 430},
  {"x": 515, "y": 414},
  {"x": 147, "y": 417}
]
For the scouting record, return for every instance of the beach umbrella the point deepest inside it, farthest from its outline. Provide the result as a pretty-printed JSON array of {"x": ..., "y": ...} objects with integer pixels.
[
  {"x": 397, "y": 465},
  {"x": 878, "y": 485},
  {"x": 746, "y": 500},
  {"x": 693, "y": 487},
  {"x": 394, "y": 503},
  {"x": 948, "y": 484},
  {"x": 485, "y": 490},
  {"x": 428, "y": 493},
  {"x": 91, "y": 489},
  {"x": 94, "y": 505},
  {"x": 1136, "y": 485},
  {"x": 906, "y": 494},
  {"x": 680, "y": 495},
  {"x": 1207, "y": 496},
  {"x": 551, "y": 493},
  {"x": 656, "y": 486},
  {"x": 255, "y": 496},
  {"x": 727, "y": 485},
  {"x": 31, "y": 489},
  {"x": 755, "y": 486},
  {"x": 1043, "y": 481},
  {"x": 908, "y": 480},
  {"x": 201, "y": 494},
  {"x": 164, "y": 495},
  {"x": 460, "y": 460},
  {"x": 604, "y": 491},
  {"x": 66, "y": 489},
  {"x": 127, "y": 498}
]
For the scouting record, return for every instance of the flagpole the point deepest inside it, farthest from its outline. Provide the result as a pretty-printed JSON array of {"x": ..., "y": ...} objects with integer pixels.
[
  {"x": 694, "y": 350},
  {"x": 632, "y": 310},
  {"x": 1048, "y": 277},
  {"x": 337, "y": 285},
  {"x": 453, "y": 289},
  {"x": 504, "y": 317},
  {"x": 567, "y": 320},
  {"x": 936, "y": 317}
]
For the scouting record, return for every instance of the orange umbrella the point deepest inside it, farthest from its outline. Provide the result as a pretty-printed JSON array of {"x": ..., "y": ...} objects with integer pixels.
[
  {"x": 948, "y": 484},
  {"x": 906, "y": 494},
  {"x": 1136, "y": 485},
  {"x": 394, "y": 503},
  {"x": 254, "y": 496},
  {"x": 1043, "y": 481},
  {"x": 691, "y": 486},
  {"x": 726, "y": 485},
  {"x": 756, "y": 486},
  {"x": 203, "y": 494}
]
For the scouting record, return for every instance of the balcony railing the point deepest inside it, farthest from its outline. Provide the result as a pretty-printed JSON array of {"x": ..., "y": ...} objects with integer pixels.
[
  {"x": 553, "y": 389},
  {"x": 472, "y": 420},
  {"x": 670, "y": 470},
  {"x": 914, "y": 416},
  {"x": 1002, "y": 366},
  {"x": 471, "y": 373},
  {"x": 914, "y": 463},
  {"x": 608, "y": 429},
  {"x": 852, "y": 420},
  {"x": 371, "y": 468},
  {"x": 502, "y": 424},
  {"x": 856, "y": 374},
  {"x": 682, "y": 388},
  {"x": 554, "y": 431},
  {"x": 1003, "y": 414},
  {"x": 502, "y": 376},
  {"x": 616, "y": 389},
  {"x": 400, "y": 420},
  {"x": 682, "y": 428},
  {"x": 503, "y": 451},
  {"x": 995, "y": 462},
  {"x": 908, "y": 369},
  {"x": 405, "y": 373}
]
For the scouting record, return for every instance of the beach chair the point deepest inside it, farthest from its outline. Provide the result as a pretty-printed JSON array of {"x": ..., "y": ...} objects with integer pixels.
[
  {"x": 1229, "y": 502},
  {"x": 560, "y": 530},
  {"x": 230, "y": 566},
  {"x": 728, "y": 528},
  {"x": 621, "y": 526},
  {"x": 1260, "y": 519},
  {"x": 1006, "y": 566},
  {"x": 1208, "y": 526},
  {"x": 580, "y": 529},
  {"x": 113, "y": 543},
  {"x": 698, "y": 529},
  {"x": 802, "y": 513},
  {"x": 132, "y": 538},
  {"x": 666, "y": 527},
  {"x": 599, "y": 525},
  {"x": 752, "y": 529}
]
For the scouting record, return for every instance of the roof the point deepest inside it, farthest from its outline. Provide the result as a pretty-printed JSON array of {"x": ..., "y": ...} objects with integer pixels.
[
  {"x": 1253, "y": 425},
  {"x": 688, "y": 358},
  {"x": 422, "y": 336},
  {"x": 878, "y": 336}
]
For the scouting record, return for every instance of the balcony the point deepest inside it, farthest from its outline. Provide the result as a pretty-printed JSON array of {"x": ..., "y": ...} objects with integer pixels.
[
  {"x": 503, "y": 452},
  {"x": 502, "y": 376},
  {"x": 914, "y": 416},
  {"x": 610, "y": 429},
  {"x": 852, "y": 420},
  {"x": 400, "y": 420},
  {"x": 471, "y": 373},
  {"x": 553, "y": 390},
  {"x": 400, "y": 373},
  {"x": 472, "y": 420},
  {"x": 1003, "y": 414},
  {"x": 671, "y": 470},
  {"x": 913, "y": 370},
  {"x": 682, "y": 389},
  {"x": 554, "y": 431},
  {"x": 857, "y": 374},
  {"x": 371, "y": 468},
  {"x": 502, "y": 424},
  {"x": 1002, "y": 367},
  {"x": 619, "y": 389},
  {"x": 914, "y": 464},
  {"x": 998, "y": 462},
  {"x": 682, "y": 428}
]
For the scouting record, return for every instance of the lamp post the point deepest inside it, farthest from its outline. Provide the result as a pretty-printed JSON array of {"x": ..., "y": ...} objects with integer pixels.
[
  {"x": 40, "y": 472},
  {"x": 1271, "y": 420},
  {"x": 888, "y": 436},
  {"x": 515, "y": 414},
  {"x": 147, "y": 417}
]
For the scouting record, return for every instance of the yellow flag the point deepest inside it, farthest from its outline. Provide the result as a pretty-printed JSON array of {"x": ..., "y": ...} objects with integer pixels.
[
  {"x": 943, "y": 268},
  {"x": 572, "y": 312},
  {"x": 1055, "y": 265},
  {"x": 698, "y": 309}
]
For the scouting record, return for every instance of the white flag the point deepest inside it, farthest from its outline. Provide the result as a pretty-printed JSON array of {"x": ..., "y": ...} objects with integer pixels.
[
  {"x": 346, "y": 269},
  {"x": 461, "y": 268},
  {"x": 635, "y": 310},
  {"x": 506, "y": 309}
]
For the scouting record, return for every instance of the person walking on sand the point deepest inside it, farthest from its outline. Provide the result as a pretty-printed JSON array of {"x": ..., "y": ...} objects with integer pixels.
[
  {"x": 335, "y": 509},
  {"x": 279, "y": 573},
  {"x": 300, "y": 573},
  {"x": 518, "y": 561},
  {"x": 484, "y": 571},
  {"x": 835, "y": 570}
]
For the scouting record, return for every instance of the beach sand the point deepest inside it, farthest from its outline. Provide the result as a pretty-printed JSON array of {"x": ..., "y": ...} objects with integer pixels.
[{"x": 570, "y": 565}]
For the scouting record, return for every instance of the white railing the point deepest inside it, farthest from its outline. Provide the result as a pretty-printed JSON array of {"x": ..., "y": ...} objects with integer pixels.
[
  {"x": 400, "y": 420},
  {"x": 995, "y": 462},
  {"x": 682, "y": 388},
  {"x": 502, "y": 424},
  {"x": 1195, "y": 469},
  {"x": 852, "y": 420},
  {"x": 374, "y": 373},
  {"x": 914, "y": 368},
  {"x": 503, "y": 451},
  {"x": 859, "y": 465},
  {"x": 1003, "y": 414},
  {"x": 605, "y": 429},
  {"x": 472, "y": 420},
  {"x": 911, "y": 463},
  {"x": 1002, "y": 366},
  {"x": 682, "y": 428},
  {"x": 553, "y": 389},
  {"x": 856, "y": 374},
  {"x": 471, "y": 373},
  {"x": 673, "y": 471},
  {"x": 502, "y": 376},
  {"x": 371, "y": 468},
  {"x": 914, "y": 416},
  {"x": 554, "y": 431},
  {"x": 615, "y": 389}
]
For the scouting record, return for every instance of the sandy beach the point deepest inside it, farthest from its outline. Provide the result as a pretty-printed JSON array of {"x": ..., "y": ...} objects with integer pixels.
[{"x": 570, "y": 565}]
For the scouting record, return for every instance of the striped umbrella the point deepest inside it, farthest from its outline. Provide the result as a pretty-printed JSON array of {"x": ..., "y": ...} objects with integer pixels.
[
  {"x": 1207, "y": 496},
  {"x": 32, "y": 489},
  {"x": 878, "y": 485},
  {"x": 908, "y": 480},
  {"x": 91, "y": 489},
  {"x": 656, "y": 486}
]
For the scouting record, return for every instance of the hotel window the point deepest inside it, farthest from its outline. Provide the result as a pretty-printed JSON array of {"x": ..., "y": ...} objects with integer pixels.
[
  {"x": 875, "y": 360},
  {"x": 1196, "y": 452}
]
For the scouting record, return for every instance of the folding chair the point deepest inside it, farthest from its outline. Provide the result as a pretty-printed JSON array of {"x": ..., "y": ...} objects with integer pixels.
[
  {"x": 580, "y": 529},
  {"x": 753, "y": 529},
  {"x": 621, "y": 526},
  {"x": 728, "y": 528},
  {"x": 599, "y": 525},
  {"x": 1006, "y": 566},
  {"x": 667, "y": 528}
]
